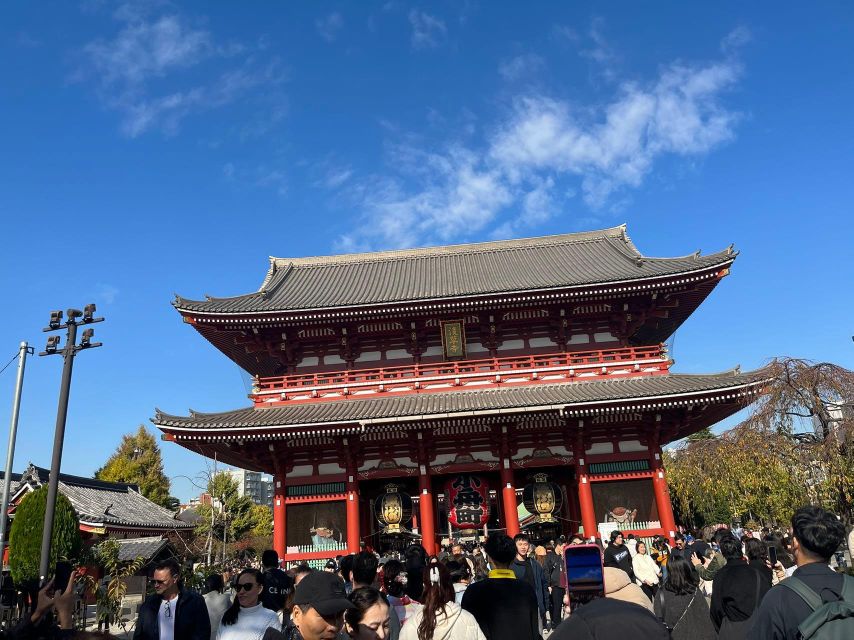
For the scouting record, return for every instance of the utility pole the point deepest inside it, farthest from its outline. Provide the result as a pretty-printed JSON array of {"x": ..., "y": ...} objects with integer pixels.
[
  {"x": 68, "y": 353},
  {"x": 13, "y": 432}
]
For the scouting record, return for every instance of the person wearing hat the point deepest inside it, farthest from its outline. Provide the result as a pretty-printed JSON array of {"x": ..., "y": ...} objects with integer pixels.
[
  {"x": 318, "y": 609},
  {"x": 330, "y": 566}
]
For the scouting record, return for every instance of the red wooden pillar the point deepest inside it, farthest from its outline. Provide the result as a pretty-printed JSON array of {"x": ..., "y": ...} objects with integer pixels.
[
  {"x": 585, "y": 502},
  {"x": 279, "y": 533},
  {"x": 582, "y": 480},
  {"x": 353, "y": 537},
  {"x": 425, "y": 510},
  {"x": 662, "y": 498},
  {"x": 508, "y": 499}
]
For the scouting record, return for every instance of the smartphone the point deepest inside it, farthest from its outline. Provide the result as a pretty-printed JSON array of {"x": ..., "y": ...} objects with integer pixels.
[
  {"x": 584, "y": 572},
  {"x": 61, "y": 575},
  {"x": 772, "y": 555}
]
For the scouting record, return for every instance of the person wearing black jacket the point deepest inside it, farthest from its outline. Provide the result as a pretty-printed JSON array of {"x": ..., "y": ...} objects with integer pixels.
[
  {"x": 737, "y": 590},
  {"x": 610, "y": 619},
  {"x": 172, "y": 612},
  {"x": 531, "y": 572},
  {"x": 504, "y": 607},
  {"x": 277, "y": 583},
  {"x": 554, "y": 568},
  {"x": 617, "y": 555},
  {"x": 816, "y": 535}
]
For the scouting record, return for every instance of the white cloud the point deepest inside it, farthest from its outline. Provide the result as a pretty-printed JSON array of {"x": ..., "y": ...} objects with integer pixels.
[
  {"x": 538, "y": 155},
  {"x": 142, "y": 50},
  {"x": 600, "y": 52},
  {"x": 736, "y": 39},
  {"x": 520, "y": 67},
  {"x": 427, "y": 31},
  {"x": 680, "y": 114},
  {"x": 329, "y": 26},
  {"x": 140, "y": 71},
  {"x": 106, "y": 293}
]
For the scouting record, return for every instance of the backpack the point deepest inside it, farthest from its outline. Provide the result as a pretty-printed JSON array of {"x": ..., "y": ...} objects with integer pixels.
[{"x": 828, "y": 620}]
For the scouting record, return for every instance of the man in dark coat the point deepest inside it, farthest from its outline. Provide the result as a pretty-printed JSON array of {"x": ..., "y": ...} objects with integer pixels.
[
  {"x": 172, "y": 612},
  {"x": 554, "y": 571},
  {"x": 530, "y": 571},
  {"x": 609, "y": 619},
  {"x": 737, "y": 590},
  {"x": 504, "y": 607},
  {"x": 277, "y": 583},
  {"x": 617, "y": 555},
  {"x": 816, "y": 535}
]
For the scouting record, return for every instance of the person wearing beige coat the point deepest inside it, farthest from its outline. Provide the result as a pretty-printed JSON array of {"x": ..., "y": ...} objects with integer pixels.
[
  {"x": 619, "y": 587},
  {"x": 647, "y": 571}
]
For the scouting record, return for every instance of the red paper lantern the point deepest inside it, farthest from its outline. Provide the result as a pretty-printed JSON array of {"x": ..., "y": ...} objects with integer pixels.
[{"x": 468, "y": 501}]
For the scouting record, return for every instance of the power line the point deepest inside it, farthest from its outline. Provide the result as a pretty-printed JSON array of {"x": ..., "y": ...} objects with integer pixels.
[{"x": 15, "y": 357}]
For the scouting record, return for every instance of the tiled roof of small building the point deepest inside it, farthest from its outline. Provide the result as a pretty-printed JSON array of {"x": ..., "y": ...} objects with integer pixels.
[
  {"x": 448, "y": 272},
  {"x": 414, "y": 406},
  {"x": 98, "y": 502},
  {"x": 133, "y": 548}
]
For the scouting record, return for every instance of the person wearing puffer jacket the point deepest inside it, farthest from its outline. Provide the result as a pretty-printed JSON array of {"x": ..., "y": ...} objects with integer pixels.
[
  {"x": 619, "y": 587},
  {"x": 647, "y": 572},
  {"x": 440, "y": 618}
]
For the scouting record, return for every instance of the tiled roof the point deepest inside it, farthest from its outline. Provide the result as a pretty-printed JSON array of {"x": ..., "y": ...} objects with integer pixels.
[
  {"x": 467, "y": 402},
  {"x": 98, "y": 502},
  {"x": 440, "y": 273},
  {"x": 147, "y": 548}
]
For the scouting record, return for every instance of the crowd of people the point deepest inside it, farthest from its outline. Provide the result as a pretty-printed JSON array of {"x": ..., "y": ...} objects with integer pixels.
[{"x": 727, "y": 584}]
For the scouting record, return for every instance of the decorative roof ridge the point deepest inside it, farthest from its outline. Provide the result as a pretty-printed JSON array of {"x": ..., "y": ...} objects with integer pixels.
[
  {"x": 617, "y": 232},
  {"x": 122, "y": 541}
]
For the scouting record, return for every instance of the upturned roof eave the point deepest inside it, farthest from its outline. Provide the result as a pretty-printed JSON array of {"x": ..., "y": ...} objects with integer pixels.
[{"x": 183, "y": 425}]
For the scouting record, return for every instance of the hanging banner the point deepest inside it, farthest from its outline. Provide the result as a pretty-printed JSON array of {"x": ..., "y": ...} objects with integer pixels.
[{"x": 468, "y": 501}]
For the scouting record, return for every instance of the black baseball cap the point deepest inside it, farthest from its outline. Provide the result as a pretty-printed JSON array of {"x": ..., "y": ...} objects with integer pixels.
[{"x": 324, "y": 592}]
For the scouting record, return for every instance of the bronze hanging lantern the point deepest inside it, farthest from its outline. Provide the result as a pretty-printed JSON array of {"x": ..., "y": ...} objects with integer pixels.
[
  {"x": 542, "y": 498},
  {"x": 393, "y": 509}
]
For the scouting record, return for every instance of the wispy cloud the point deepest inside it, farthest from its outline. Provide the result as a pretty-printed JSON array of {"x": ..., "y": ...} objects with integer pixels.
[
  {"x": 600, "y": 52},
  {"x": 329, "y": 26},
  {"x": 427, "y": 31},
  {"x": 106, "y": 293},
  {"x": 535, "y": 158},
  {"x": 520, "y": 67},
  {"x": 736, "y": 39},
  {"x": 149, "y": 70}
]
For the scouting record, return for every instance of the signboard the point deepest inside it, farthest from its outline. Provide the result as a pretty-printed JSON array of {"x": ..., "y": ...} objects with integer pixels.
[{"x": 453, "y": 339}]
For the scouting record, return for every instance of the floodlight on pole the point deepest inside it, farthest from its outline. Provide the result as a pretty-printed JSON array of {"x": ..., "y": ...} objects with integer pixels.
[{"x": 68, "y": 353}]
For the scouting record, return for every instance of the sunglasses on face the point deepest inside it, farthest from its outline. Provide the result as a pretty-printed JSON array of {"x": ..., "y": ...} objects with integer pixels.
[
  {"x": 159, "y": 582},
  {"x": 247, "y": 586}
]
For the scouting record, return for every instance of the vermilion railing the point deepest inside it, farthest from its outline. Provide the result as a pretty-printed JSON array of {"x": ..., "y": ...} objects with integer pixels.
[{"x": 464, "y": 369}]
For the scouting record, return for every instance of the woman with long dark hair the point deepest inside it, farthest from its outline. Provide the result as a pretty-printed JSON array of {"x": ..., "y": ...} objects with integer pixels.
[
  {"x": 440, "y": 618},
  {"x": 757, "y": 557},
  {"x": 395, "y": 582},
  {"x": 246, "y": 618},
  {"x": 681, "y": 604},
  {"x": 369, "y": 617}
]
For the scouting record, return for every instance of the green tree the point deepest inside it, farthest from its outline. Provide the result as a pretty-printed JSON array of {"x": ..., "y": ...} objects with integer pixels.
[
  {"x": 262, "y": 520},
  {"x": 137, "y": 461},
  {"x": 795, "y": 447},
  {"x": 230, "y": 516},
  {"x": 110, "y": 596},
  {"x": 25, "y": 537}
]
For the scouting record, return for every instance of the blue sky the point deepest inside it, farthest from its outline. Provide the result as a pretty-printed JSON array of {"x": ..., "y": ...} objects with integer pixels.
[{"x": 151, "y": 148}]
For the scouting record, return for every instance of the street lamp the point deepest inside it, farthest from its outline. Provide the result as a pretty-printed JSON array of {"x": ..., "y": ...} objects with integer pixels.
[{"x": 68, "y": 353}]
